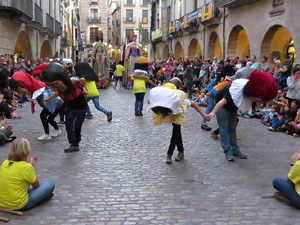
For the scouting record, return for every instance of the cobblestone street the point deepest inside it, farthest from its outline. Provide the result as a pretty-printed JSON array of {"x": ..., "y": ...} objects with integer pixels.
[{"x": 120, "y": 175}]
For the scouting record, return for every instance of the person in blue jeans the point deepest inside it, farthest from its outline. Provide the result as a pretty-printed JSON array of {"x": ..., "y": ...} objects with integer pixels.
[
  {"x": 20, "y": 188},
  {"x": 85, "y": 72},
  {"x": 261, "y": 87},
  {"x": 289, "y": 188},
  {"x": 73, "y": 94}
]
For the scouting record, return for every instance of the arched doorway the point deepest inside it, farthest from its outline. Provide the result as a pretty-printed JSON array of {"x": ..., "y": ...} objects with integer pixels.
[
  {"x": 46, "y": 50},
  {"x": 166, "y": 52},
  {"x": 276, "y": 42},
  {"x": 151, "y": 55},
  {"x": 238, "y": 43},
  {"x": 178, "y": 50},
  {"x": 23, "y": 45},
  {"x": 214, "y": 46},
  {"x": 157, "y": 55},
  {"x": 194, "y": 49}
]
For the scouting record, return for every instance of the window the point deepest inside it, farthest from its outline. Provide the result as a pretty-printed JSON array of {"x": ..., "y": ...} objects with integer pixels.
[
  {"x": 129, "y": 15},
  {"x": 144, "y": 35},
  {"x": 93, "y": 34},
  {"x": 145, "y": 16},
  {"x": 93, "y": 14},
  {"x": 129, "y": 2},
  {"x": 145, "y": 2}
]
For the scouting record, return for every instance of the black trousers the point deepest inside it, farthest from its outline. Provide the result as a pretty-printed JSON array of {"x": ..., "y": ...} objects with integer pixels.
[
  {"x": 176, "y": 140},
  {"x": 48, "y": 118}
]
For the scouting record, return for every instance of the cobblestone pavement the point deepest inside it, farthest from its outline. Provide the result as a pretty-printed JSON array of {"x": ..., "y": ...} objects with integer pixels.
[{"x": 120, "y": 175}]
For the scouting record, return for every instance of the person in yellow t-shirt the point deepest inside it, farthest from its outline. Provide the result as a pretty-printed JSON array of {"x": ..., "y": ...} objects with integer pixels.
[
  {"x": 140, "y": 78},
  {"x": 84, "y": 71},
  {"x": 17, "y": 174},
  {"x": 120, "y": 72},
  {"x": 289, "y": 189}
]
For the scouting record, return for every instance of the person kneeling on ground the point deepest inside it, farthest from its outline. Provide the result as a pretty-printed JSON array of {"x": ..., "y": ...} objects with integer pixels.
[
  {"x": 289, "y": 189},
  {"x": 17, "y": 174}
]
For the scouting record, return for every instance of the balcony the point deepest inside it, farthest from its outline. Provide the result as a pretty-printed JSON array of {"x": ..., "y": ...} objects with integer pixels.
[
  {"x": 49, "y": 22},
  {"x": 210, "y": 14},
  {"x": 22, "y": 7},
  {"x": 156, "y": 35},
  {"x": 129, "y": 20},
  {"x": 191, "y": 21},
  {"x": 176, "y": 28},
  {"x": 129, "y": 3},
  {"x": 236, "y": 3},
  {"x": 94, "y": 19},
  {"x": 38, "y": 15},
  {"x": 58, "y": 27}
]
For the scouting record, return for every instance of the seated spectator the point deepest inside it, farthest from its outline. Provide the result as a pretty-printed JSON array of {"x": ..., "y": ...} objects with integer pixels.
[
  {"x": 17, "y": 174},
  {"x": 289, "y": 189},
  {"x": 278, "y": 123},
  {"x": 268, "y": 118},
  {"x": 293, "y": 127},
  {"x": 293, "y": 84}
]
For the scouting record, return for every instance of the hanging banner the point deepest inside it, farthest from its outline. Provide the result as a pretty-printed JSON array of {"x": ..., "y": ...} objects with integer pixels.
[{"x": 164, "y": 24}]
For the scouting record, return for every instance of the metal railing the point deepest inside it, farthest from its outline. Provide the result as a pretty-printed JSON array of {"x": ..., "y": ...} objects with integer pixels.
[
  {"x": 58, "y": 27},
  {"x": 95, "y": 19},
  {"x": 49, "y": 22},
  {"x": 38, "y": 14},
  {"x": 24, "y": 6}
]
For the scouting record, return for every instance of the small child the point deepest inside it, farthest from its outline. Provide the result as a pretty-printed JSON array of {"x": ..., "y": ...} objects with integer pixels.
[
  {"x": 17, "y": 174},
  {"x": 202, "y": 100},
  {"x": 268, "y": 118}
]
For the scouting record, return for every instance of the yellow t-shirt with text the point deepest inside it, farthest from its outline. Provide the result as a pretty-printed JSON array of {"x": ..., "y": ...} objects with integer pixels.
[{"x": 15, "y": 178}]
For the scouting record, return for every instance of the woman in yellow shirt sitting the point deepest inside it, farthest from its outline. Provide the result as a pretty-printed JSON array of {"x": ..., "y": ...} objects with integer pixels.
[
  {"x": 17, "y": 174},
  {"x": 289, "y": 189}
]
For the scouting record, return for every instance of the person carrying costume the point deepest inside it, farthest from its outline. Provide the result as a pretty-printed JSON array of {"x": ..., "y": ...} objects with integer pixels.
[
  {"x": 85, "y": 72},
  {"x": 140, "y": 78},
  {"x": 73, "y": 93},
  {"x": 23, "y": 83},
  {"x": 170, "y": 105},
  {"x": 261, "y": 87}
]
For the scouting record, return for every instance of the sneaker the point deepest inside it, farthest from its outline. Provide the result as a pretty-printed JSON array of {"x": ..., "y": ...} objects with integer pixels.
[
  {"x": 72, "y": 148},
  {"x": 169, "y": 159},
  {"x": 271, "y": 129},
  {"x": 140, "y": 114},
  {"x": 179, "y": 157},
  {"x": 56, "y": 133},
  {"x": 280, "y": 197},
  {"x": 240, "y": 155},
  {"x": 89, "y": 117},
  {"x": 136, "y": 114},
  {"x": 214, "y": 136},
  {"x": 205, "y": 127},
  {"x": 109, "y": 116},
  {"x": 229, "y": 156},
  {"x": 295, "y": 135},
  {"x": 44, "y": 137}
]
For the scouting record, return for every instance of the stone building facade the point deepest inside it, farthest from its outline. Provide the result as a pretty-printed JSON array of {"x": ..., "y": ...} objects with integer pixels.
[
  {"x": 93, "y": 17},
  {"x": 30, "y": 26},
  {"x": 208, "y": 28}
]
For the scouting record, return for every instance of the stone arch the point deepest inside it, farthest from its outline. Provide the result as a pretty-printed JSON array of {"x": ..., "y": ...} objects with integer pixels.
[
  {"x": 238, "y": 43},
  {"x": 166, "y": 52},
  {"x": 151, "y": 55},
  {"x": 46, "y": 50},
  {"x": 23, "y": 45},
  {"x": 214, "y": 46},
  {"x": 194, "y": 49},
  {"x": 178, "y": 50},
  {"x": 275, "y": 42}
]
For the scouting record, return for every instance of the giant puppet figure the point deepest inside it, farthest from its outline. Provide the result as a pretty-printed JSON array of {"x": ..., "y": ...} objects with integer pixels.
[
  {"x": 101, "y": 61},
  {"x": 133, "y": 51}
]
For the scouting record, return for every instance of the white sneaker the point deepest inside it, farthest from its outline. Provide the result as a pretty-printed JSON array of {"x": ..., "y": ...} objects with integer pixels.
[
  {"x": 56, "y": 133},
  {"x": 44, "y": 137}
]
